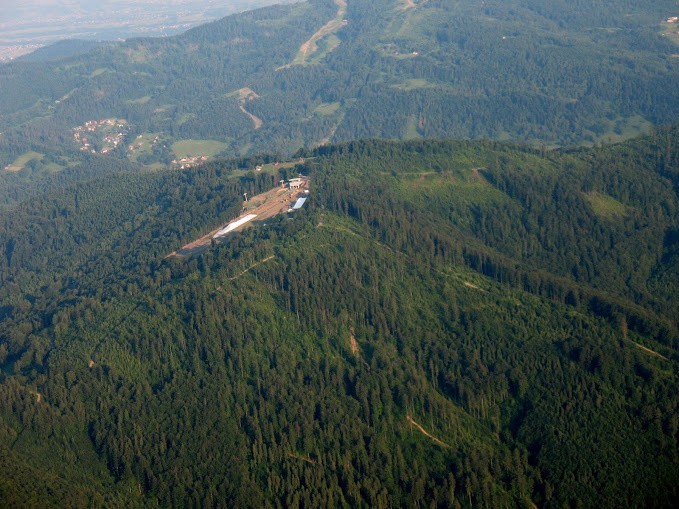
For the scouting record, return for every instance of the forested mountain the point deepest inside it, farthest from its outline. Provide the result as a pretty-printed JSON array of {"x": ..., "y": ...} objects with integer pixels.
[
  {"x": 62, "y": 49},
  {"x": 448, "y": 324},
  {"x": 471, "y": 323},
  {"x": 285, "y": 77}
]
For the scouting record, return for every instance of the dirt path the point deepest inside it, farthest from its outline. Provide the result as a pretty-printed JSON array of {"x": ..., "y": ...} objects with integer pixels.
[
  {"x": 407, "y": 4},
  {"x": 475, "y": 175},
  {"x": 326, "y": 140},
  {"x": 252, "y": 267},
  {"x": 356, "y": 349},
  {"x": 310, "y": 46},
  {"x": 301, "y": 458},
  {"x": 472, "y": 285},
  {"x": 353, "y": 344},
  {"x": 256, "y": 121},
  {"x": 648, "y": 350},
  {"x": 246, "y": 94},
  {"x": 425, "y": 432}
]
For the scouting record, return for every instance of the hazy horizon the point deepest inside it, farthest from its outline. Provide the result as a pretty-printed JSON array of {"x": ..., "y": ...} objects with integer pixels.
[{"x": 26, "y": 25}]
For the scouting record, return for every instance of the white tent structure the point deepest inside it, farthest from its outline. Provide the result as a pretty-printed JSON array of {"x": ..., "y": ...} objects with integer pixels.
[{"x": 233, "y": 225}]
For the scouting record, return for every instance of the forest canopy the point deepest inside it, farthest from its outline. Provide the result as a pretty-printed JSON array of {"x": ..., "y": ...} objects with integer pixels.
[{"x": 436, "y": 327}]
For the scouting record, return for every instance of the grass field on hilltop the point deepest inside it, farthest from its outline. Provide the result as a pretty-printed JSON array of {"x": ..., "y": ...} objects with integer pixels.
[
  {"x": 621, "y": 129},
  {"x": 606, "y": 207},
  {"x": 24, "y": 159},
  {"x": 327, "y": 109},
  {"x": 185, "y": 148}
]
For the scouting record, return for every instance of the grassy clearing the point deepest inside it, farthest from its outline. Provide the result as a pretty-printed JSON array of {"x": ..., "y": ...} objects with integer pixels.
[
  {"x": 243, "y": 94},
  {"x": 411, "y": 129},
  {"x": 413, "y": 84},
  {"x": 309, "y": 52},
  {"x": 245, "y": 149},
  {"x": 141, "y": 100},
  {"x": 68, "y": 95},
  {"x": 468, "y": 187},
  {"x": 23, "y": 160},
  {"x": 327, "y": 109},
  {"x": 146, "y": 140},
  {"x": 606, "y": 207},
  {"x": 392, "y": 50},
  {"x": 326, "y": 46},
  {"x": 185, "y": 117},
  {"x": 53, "y": 168},
  {"x": 100, "y": 71},
  {"x": 671, "y": 31},
  {"x": 269, "y": 168},
  {"x": 139, "y": 54},
  {"x": 622, "y": 129},
  {"x": 272, "y": 169},
  {"x": 187, "y": 148},
  {"x": 413, "y": 26}
]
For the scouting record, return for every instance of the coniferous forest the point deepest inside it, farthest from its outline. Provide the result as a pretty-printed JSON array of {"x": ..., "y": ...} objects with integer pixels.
[
  {"x": 453, "y": 319},
  {"x": 449, "y": 324}
]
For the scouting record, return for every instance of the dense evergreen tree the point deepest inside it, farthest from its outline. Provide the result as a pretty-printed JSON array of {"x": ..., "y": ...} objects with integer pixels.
[{"x": 444, "y": 326}]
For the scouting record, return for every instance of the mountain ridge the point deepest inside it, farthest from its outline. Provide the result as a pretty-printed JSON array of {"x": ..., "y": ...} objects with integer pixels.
[
  {"x": 386, "y": 72},
  {"x": 487, "y": 352},
  {"x": 450, "y": 323}
]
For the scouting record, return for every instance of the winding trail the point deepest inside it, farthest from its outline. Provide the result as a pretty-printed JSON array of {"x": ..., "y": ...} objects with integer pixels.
[
  {"x": 425, "y": 432},
  {"x": 256, "y": 121},
  {"x": 648, "y": 350},
  {"x": 246, "y": 94},
  {"x": 310, "y": 46},
  {"x": 473, "y": 286},
  {"x": 325, "y": 141},
  {"x": 251, "y": 267}
]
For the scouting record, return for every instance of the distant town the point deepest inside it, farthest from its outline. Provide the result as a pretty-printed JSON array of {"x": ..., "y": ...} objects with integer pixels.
[
  {"x": 101, "y": 135},
  {"x": 31, "y": 24}
]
